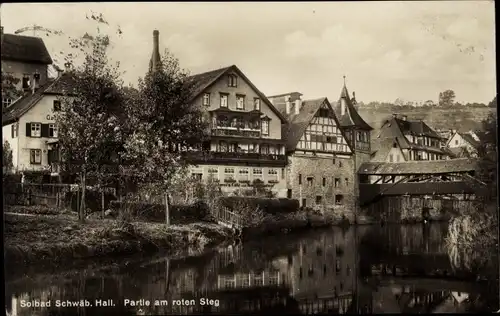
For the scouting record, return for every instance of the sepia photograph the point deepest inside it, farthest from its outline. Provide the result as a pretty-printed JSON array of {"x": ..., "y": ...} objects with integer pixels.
[{"x": 240, "y": 158}]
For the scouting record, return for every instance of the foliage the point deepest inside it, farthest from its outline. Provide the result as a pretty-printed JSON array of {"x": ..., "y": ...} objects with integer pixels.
[
  {"x": 89, "y": 124},
  {"x": 164, "y": 122},
  {"x": 7, "y": 156},
  {"x": 10, "y": 88},
  {"x": 493, "y": 103},
  {"x": 487, "y": 153},
  {"x": 446, "y": 98}
]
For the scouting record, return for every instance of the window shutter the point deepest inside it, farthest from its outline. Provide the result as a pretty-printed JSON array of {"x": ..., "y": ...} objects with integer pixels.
[
  {"x": 28, "y": 129},
  {"x": 45, "y": 130},
  {"x": 12, "y": 130}
]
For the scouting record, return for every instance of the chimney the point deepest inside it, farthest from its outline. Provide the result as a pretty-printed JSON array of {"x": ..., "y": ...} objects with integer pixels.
[
  {"x": 155, "y": 58},
  {"x": 353, "y": 95},
  {"x": 404, "y": 117},
  {"x": 35, "y": 83},
  {"x": 288, "y": 104},
  {"x": 297, "y": 106}
]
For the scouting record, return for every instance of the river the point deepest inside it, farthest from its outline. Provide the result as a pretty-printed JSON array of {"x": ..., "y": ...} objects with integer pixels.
[{"x": 368, "y": 269}]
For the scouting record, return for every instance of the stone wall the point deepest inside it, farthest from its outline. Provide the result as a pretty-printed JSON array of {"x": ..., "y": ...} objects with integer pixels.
[
  {"x": 321, "y": 180},
  {"x": 411, "y": 209}
]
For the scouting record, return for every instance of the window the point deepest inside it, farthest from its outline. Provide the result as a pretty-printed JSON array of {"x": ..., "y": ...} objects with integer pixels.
[
  {"x": 56, "y": 105},
  {"x": 240, "y": 102},
  {"x": 289, "y": 193},
  {"x": 223, "y": 100},
  {"x": 346, "y": 180},
  {"x": 318, "y": 199},
  {"x": 282, "y": 173},
  {"x": 340, "y": 164},
  {"x": 35, "y": 156},
  {"x": 256, "y": 104},
  {"x": 223, "y": 146},
  {"x": 304, "y": 202},
  {"x": 52, "y": 130},
  {"x": 397, "y": 158},
  {"x": 197, "y": 176},
  {"x": 14, "y": 130},
  {"x": 26, "y": 81},
  {"x": 324, "y": 181},
  {"x": 213, "y": 173},
  {"x": 391, "y": 158},
  {"x": 456, "y": 141},
  {"x": 310, "y": 181},
  {"x": 273, "y": 174},
  {"x": 257, "y": 173},
  {"x": 323, "y": 113},
  {"x": 36, "y": 130},
  {"x": 264, "y": 149},
  {"x": 243, "y": 174},
  {"x": 300, "y": 178},
  {"x": 232, "y": 81},
  {"x": 6, "y": 102},
  {"x": 337, "y": 182},
  {"x": 339, "y": 199},
  {"x": 206, "y": 99},
  {"x": 265, "y": 127}
]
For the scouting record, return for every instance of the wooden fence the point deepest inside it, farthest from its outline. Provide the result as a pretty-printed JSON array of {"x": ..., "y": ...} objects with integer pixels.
[{"x": 228, "y": 218}]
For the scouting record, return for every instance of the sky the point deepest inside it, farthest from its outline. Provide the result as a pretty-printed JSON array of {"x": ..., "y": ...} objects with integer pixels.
[{"x": 386, "y": 50}]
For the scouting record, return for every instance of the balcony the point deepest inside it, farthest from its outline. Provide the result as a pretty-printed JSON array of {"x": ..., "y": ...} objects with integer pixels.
[
  {"x": 234, "y": 131},
  {"x": 234, "y": 157}
]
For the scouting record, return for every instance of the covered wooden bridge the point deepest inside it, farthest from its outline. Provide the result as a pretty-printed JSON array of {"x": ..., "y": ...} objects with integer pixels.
[{"x": 433, "y": 177}]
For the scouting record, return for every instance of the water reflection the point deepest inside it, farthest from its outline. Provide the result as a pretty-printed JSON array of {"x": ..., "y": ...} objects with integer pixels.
[{"x": 391, "y": 269}]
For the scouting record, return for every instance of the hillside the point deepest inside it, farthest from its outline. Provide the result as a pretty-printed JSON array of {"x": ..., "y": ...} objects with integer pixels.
[{"x": 461, "y": 119}]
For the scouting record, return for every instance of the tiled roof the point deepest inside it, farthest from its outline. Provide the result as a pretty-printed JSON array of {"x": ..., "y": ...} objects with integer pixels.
[
  {"x": 297, "y": 123},
  {"x": 418, "y": 167},
  {"x": 459, "y": 152},
  {"x": 203, "y": 81},
  {"x": 416, "y": 128},
  {"x": 351, "y": 117},
  {"x": 468, "y": 138},
  {"x": 28, "y": 100},
  {"x": 24, "y": 49}
]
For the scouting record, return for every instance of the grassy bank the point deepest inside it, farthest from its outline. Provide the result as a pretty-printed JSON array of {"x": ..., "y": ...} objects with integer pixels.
[{"x": 58, "y": 238}]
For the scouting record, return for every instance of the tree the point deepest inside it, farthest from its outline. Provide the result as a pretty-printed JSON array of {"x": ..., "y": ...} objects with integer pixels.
[
  {"x": 493, "y": 103},
  {"x": 446, "y": 98},
  {"x": 91, "y": 117},
  {"x": 487, "y": 153},
  {"x": 7, "y": 157},
  {"x": 165, "y": 122},
  {"x": 9, "y": 88}
]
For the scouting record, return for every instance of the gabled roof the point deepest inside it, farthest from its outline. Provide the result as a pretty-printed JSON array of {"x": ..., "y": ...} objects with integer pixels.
[
  {"x": 385, "y": 146},
  {"x": 29, "y": 100},
  {"x": 468, "y": 138},
  {"x": 418, "y": 167},
  {"x": 418, "y": 128},
  {"x": 24, "y": 49},
  {"x": 351, "y": 117},
  {"x": 204, "y": 80},
  {"x": 297, "y": 123}
]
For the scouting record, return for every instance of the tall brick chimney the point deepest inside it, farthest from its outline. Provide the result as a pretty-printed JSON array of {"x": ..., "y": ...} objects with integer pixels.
[{"x": 155, "y": 61}]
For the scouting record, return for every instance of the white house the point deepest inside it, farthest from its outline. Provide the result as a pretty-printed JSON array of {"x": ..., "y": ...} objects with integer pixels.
[
  {"x": 28, "y": 125},
  {"x": 466, "y": 141}
]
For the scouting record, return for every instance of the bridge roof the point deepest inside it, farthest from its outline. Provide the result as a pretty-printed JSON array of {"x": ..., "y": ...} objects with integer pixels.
[{"x": 418, "y": 167}]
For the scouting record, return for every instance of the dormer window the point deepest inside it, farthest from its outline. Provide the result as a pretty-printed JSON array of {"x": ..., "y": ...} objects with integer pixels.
[
  {"x": 232, "y": 81},
  {"x": 206, "y": 99}
]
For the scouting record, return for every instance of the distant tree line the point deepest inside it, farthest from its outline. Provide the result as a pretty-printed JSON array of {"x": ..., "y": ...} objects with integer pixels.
[{"x": 446, "y": 100}]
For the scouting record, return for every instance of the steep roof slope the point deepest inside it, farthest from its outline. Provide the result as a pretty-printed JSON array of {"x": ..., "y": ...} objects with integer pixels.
[{"x": 24, "y": 49}]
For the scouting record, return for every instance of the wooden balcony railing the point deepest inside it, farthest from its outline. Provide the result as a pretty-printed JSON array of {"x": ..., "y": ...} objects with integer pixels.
[
  {"x": 239, "y": 132},
  {"x": 204, "y": 156}
]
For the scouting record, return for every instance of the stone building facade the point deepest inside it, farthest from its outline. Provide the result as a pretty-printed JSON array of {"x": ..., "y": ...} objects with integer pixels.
[{"x": 320, "y": 170}]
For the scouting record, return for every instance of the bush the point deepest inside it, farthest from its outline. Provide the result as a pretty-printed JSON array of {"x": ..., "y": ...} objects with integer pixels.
[
  {"x": 195, "y": 212},
  {"x": 92, "y": 200},
  {"x": 268, "y": 206}
]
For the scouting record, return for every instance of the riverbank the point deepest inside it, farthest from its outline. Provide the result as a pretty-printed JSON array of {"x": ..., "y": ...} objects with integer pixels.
[
  {"x": 37, "y": 234},
  {"x": 40, "y": 238}
]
